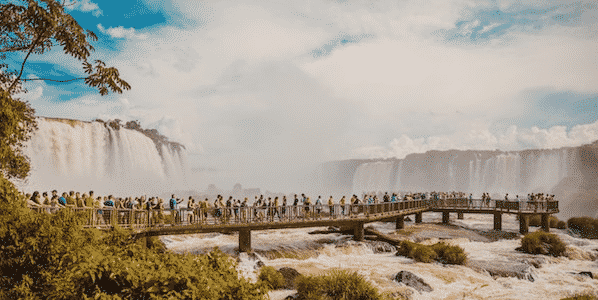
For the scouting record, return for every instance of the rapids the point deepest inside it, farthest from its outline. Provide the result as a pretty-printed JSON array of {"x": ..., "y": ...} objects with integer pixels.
[{"x": 554, "y": 279}]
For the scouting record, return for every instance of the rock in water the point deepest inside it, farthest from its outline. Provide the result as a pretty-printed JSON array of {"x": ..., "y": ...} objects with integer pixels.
[
  {"x": 587, "y": 273},
  {"x": 412, "y": 280},
  {"x": 289, "y": 275},
  {"x": 503, "y": 269}
]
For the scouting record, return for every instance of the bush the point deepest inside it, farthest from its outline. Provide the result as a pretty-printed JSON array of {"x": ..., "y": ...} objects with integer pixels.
[
  {"x": 536, "y": 221},
  {"x": 447, "y": 254},
  {"x": 423, "y": 253},
  {"x": 336, "y": 285},
  {"x": 586, "y": 227},
  {"x": 440, "y": 252},
  {"x": 271, "y": 277},
  {"x": 541, "y": 242},
  {"x": 561, "y": 225}
]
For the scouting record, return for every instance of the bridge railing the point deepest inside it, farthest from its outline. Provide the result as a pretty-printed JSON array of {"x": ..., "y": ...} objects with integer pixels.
[
  {"x": 497, "y": 205},
  {"x": 139, "y": 218}
]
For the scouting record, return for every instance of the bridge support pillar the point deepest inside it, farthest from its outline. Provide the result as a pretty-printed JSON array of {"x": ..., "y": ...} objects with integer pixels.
[
  {"x": 545, "y": 222},
  {"x": 244, "y": 240},
  {"x": 418, "y": 217},
  {"x": 460, "y": 215},
  {"x": 497, "y": 221},
  {"x": 523, "y": 224},
  {"x": 358, "y": 232},
  {"x": 445, "y": 217},
  {"x": 400, "y": 222}
]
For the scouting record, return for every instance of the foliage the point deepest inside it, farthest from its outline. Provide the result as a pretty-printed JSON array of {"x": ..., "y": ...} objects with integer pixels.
[
  {"x": 17, "y": 121},
  {"x": 35, "y": 27},
  {"x": 440, "y": 252},
  {"x": 271, "y": 277},
  {"x": 590, "y": 295},
  {"x": 541, "y": 242},
  {"x": 536, "y": 221},
  {"x": 336, "y": 285},
  {"x": 51, "y": 256},
  {"x": 561, "y": 225},
  {"x": 584, "y": 226},
  {"x": 447, "y": 254}
]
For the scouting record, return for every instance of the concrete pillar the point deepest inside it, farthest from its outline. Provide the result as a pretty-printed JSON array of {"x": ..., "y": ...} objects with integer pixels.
[
  {"x": 358, "y": 231},
  {"x": 244, "y": 240},
  {"x": 418, "y": 217},
  {"x": 545, "y": 223},
  {"x": 523, "y": 224},
  {"x": 460, "y": 215},
  {"x": 497, "y": 221},
  {"x": 445, "y": 217},
  {"x": 400, "y": 222}
]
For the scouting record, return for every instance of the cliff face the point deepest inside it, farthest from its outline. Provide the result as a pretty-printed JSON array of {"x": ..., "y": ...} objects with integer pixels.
[{"x": 569, "y": 173}]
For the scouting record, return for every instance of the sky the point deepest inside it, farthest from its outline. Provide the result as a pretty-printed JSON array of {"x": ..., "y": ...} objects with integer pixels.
[{"x": 261, "y": 92}]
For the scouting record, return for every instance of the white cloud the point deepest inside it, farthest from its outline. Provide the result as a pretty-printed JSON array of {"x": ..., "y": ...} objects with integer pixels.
[
  {"x": 482, "y": 139},
  {"x": 84, "y": 5},
  {"x": 121, "y": 32}
]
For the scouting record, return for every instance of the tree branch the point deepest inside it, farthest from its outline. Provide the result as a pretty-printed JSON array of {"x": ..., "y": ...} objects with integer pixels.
[
  {"x": 14, "y": 83},
  {"x": 53, "y": 79}
]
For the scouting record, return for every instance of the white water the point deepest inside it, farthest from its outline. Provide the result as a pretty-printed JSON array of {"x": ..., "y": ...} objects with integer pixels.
[
  {"x": 373, "y": 177},
  {"x": 83, "y": 156},
  {"x": 553, "y": 280}
]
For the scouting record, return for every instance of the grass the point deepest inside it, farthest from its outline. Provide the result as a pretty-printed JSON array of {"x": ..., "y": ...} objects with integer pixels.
[
  {"x": 337, "y": 284},
  {"x": 586, "y": 227}
]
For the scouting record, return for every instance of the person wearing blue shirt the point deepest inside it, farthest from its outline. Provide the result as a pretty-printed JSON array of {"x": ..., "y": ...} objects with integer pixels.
[
  {"x": 174, "y": 206},
  {"x": 62, "y": 199}
]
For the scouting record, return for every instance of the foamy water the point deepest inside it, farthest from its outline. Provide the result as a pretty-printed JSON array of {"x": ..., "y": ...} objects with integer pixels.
[{"x": 555, "y": 278}]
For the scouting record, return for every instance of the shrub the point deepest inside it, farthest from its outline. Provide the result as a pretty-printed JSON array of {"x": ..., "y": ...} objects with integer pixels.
[
  {"x": 561, "y": 225},
  {"x": 440, "y": 252},
  {"x": 586, "y": 227},
  {"x": 447, "y": 254},
  {"x": 336, "y": 285},
  {"x": 592, "y": 295},
  {"x": 541, "y": 242},
  {"x": 423, "y": 253},
  {"x": 271, "y": 277},
  {"x": 536, "y": 221}
]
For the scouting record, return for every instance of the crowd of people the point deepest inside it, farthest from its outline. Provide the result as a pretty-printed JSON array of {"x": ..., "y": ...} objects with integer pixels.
[{"x": 262, "y": 208}]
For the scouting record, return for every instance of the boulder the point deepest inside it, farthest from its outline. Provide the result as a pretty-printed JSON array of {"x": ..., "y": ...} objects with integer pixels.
[
  {"x": 503, "y": 269},
  {"x": 289, "y": 275},
  {"x": 411, "y": 280}
]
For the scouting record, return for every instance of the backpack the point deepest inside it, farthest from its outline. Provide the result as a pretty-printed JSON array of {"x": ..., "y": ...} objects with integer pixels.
[{"x": 109, "y": 203}]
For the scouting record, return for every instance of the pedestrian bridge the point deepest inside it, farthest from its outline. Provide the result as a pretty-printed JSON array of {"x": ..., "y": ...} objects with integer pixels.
[{"x": 146, "y": 223}]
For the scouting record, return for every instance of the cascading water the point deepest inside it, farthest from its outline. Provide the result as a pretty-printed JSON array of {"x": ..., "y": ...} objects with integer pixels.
[
  {"x": 81, "y": 156},
  {"x": 494, "y": 172},
  {"x": 373, "y": 177}
]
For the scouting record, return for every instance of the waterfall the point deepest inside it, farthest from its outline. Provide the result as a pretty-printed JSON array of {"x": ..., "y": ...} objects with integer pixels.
[
  {"x": 81, "y": 156},
  {"x": 520, "y": 172},
  {"x": 375, "y": 176}
]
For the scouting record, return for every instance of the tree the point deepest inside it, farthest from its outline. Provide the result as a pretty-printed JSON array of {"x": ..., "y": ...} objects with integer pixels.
[{"x": 34, "y": 27}]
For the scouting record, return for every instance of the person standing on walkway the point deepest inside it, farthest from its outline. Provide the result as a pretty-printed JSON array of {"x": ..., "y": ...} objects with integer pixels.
[
  {"x": 331, "y": 207},
  {"x": 318, "y": 207},
  {"x": 343, "y": 202}
]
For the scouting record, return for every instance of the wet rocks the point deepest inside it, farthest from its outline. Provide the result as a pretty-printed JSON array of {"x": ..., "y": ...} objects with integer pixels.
[
  {"x": 503, "y": 269},
  {"x": 411, "y": 280},
  {"x": 289, "y": 275},
  {"x": 587, "y": 273}
]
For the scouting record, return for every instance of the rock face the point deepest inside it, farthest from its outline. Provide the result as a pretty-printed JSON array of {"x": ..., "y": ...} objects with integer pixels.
[
  {"x": 503, "y": 269},
  {"x": 289, "y": 275},
  {"x": 411, "y": 280}
]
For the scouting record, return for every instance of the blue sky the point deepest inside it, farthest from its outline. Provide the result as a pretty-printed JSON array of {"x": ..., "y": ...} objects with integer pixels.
[{"x": 276, "y": 87}]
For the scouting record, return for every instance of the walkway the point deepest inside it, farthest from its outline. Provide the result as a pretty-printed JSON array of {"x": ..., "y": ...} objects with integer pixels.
[{"x": 244, "y": 219}]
